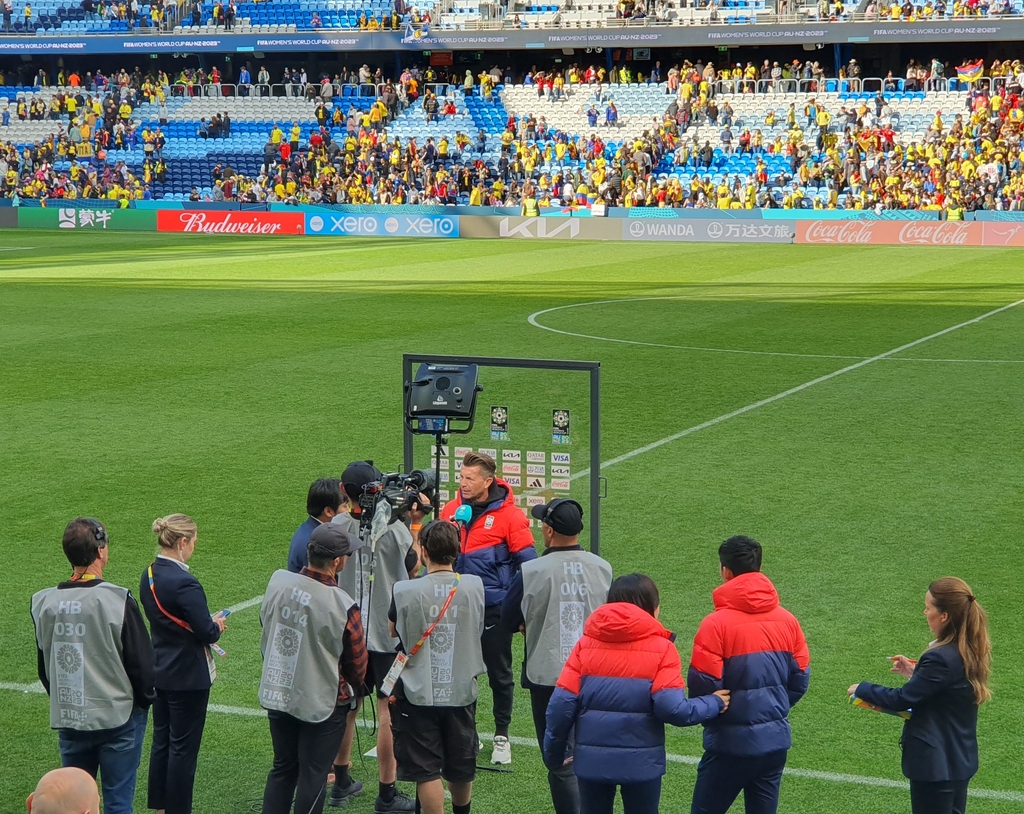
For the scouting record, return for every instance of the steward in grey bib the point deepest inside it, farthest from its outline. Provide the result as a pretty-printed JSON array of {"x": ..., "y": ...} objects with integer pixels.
[
  {"x": 79, "y": 632},
  {"x": 371, "y": 574},
  {"x": 561, "y": 589},
  {"x": 303, "y": 628},
  {"x": 444, "y": 671},
  {"x": 549, "y": 601}
]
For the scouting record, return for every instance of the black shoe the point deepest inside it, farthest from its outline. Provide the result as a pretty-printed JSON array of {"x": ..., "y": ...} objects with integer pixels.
[
  {"x": 400, "y": 802},
  {"x": 340, "y": 796}
]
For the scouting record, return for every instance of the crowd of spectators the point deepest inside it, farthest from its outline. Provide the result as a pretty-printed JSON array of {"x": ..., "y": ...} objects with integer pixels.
[{"x": 969, "y": 158}]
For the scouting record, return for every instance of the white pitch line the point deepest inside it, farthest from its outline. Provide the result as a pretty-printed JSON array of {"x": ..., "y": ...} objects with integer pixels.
[
  {"x": 792, "y": 391},
  {"x": 241, "y": 606},
  {"x": 532, "y": 319},
  {"x": 688, "y": 760}
]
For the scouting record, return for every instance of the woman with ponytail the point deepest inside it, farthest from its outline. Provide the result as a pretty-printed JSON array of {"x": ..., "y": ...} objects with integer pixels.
[
  {"x": 944, "y": 690},
  {"x": 183, "y": 633}
]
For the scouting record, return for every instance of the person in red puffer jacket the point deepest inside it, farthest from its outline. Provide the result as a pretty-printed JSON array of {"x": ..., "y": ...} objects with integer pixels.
[{"x": 621, "y": 684}]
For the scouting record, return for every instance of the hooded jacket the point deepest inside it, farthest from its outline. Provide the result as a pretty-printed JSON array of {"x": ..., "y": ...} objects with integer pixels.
[
  {"x": 621, "y": 684},
  {"x": 495, "y": 543},
  {"x": 754, "y": 647}
]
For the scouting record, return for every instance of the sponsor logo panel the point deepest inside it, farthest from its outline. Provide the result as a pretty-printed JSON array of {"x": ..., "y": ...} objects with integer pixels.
[
  {"x": 331, "y": 223},
  {"x": 895, "y": 233},
  {"x": 230, "y": 223}
]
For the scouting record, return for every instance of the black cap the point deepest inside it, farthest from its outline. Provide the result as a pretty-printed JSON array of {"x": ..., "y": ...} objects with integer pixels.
[
  {"x": 564, "y": 516},
  {"x": 356, "y": 475},
  {"x": 333, "y": 541}
]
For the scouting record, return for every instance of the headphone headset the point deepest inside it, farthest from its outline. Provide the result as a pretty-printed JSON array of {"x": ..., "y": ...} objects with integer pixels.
[
  {"x": 433, "y": 524},
  {"x": 558, "y": 501},
  {"x": 98, "y": 531}
]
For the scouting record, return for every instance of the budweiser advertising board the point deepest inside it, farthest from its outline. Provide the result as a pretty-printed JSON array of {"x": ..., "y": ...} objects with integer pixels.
[{"x": 231, "y": 223}]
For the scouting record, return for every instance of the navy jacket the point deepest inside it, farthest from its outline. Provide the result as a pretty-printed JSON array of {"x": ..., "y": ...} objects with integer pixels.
[
  {"x": 622, "y": 683},
  {"x": 940, "y": 741},
  {"x": 180, "y": 655},
  {"x": 495, "y": 543},
  {"x": 297, "y": 549},
  {"x": 755, "y": 648}
]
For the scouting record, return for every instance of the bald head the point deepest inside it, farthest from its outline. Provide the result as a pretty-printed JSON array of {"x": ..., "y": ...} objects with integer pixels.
[{"x": 65, "y": 791}]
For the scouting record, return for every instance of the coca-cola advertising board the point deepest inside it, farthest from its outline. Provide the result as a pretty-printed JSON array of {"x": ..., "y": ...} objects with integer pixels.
[
  {"x": 231, "y": 223},
  {"x": 892, "y": 233}
]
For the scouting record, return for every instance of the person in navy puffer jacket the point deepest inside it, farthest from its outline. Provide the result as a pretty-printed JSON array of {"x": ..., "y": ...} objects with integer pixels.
[
  {"x": 621, "y": 684},
  {"x": 754, "y": 647}
]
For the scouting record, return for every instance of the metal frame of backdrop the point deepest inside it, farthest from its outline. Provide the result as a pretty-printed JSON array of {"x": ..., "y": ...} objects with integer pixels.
[{"x": 593, "y": 368}]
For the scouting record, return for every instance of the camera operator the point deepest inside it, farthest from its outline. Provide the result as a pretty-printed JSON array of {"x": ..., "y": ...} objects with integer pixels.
[
  {"x": 96, "y": 662},
  {"x": 313, "y": 657},
  {"x": 495, "y": 542},
  {"x": 323, "y": 502},
  {"x": 369, "y": 578},
  {"x": 549, "y": 601},
  {"x": 439, "y": 620}
]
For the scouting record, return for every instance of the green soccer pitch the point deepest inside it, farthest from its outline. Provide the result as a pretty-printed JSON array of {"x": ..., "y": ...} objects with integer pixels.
[{"x": 857, "y": 410}]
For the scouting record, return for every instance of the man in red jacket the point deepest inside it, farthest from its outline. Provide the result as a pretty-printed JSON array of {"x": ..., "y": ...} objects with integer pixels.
[
  {"x": 754, "y": 647},
  {"x": 495, "y": 542}
]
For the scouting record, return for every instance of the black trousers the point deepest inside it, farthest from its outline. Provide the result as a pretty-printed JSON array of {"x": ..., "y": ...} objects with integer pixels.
[
  {"x": 178, "y": 721},
  {"x": 303, "y": 753},
  {"x": 721, "y": 778},
  {"x": 496, "y": 644},
  {"x": 565, "y": 793},
  {"x": 944, "y": 797}
]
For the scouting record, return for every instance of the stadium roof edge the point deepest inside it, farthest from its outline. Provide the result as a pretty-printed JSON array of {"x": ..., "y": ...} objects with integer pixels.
[{"x": 957, "y": 30}]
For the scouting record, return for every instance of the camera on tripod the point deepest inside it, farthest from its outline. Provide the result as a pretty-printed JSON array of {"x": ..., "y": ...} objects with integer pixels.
[{"x": 399, "y": 492}]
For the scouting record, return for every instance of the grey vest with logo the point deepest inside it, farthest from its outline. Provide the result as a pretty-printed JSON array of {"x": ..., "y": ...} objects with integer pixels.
[
  {"x": 560, "y": 590},
  {"x": 303, "y": 633},
  {"x": 78, "y": 631},
  {"x": 371, "y": 585},
  {"x": 443, "y": 673}
]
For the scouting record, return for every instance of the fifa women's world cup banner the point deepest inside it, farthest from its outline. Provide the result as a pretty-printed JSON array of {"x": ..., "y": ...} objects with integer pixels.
[{"x": 910, "y": 233}]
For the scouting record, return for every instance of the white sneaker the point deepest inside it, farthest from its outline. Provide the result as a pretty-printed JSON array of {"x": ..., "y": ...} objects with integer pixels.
[{"x": 501, "y": 755}]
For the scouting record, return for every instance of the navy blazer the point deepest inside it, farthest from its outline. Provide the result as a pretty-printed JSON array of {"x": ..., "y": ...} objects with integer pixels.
[
  {"x": 940, "y": 741},
  {"x": 180, "y": 654}
]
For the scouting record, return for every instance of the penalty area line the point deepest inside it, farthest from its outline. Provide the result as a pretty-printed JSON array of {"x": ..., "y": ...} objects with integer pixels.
[
  {"x": 794, "y": 390},
  {"x": 689, "y": 760}
]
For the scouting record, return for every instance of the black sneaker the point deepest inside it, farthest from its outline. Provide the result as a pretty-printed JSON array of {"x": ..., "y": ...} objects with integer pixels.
[
  {"x": 400, "y": 802},
  {"x": 341, "y": 795}
]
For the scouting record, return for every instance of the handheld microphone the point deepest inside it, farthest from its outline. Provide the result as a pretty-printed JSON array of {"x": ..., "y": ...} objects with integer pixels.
[{"x": 463, "y": 515}]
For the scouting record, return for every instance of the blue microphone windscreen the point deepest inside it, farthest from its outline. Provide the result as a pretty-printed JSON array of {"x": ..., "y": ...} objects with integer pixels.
[{"x": 463, "y": 514}]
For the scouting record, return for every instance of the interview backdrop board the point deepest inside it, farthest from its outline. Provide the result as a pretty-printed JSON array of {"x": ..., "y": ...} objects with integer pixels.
[{"x": 540, "y": 419}]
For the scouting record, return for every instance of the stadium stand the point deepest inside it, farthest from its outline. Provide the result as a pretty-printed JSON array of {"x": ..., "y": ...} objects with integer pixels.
[{"x": 794, "y": 142}]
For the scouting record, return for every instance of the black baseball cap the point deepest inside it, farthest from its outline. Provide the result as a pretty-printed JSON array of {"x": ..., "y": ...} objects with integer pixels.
[
  {"x": 564, "y": 516},
  {"x": 333, "y": 541},
  {"x": 356, "y": 475}
]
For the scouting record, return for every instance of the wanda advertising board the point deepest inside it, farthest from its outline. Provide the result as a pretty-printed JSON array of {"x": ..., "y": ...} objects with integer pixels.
[
  {"x": 910, "y": 233},
  {"x": 231, "y": 223}
]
